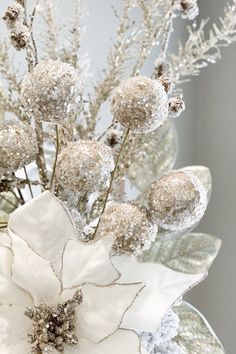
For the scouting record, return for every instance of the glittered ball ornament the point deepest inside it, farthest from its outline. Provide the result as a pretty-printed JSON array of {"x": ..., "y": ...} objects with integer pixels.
[
  {"x": 84, "y": 166},
  {"x": 140, "y": 104},
  {"x": 130, "y": 226},
  {"x": 204, "y": 174},
  {"x": 18, "y": 146},
  {"x": 51, "y": 91},
  {"x": 178, "y": 200}
]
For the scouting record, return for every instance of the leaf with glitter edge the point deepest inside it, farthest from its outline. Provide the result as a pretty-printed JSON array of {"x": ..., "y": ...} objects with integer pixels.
[
  {"x": 195, "y": 334},
  {"x": 192, "y": 253}
]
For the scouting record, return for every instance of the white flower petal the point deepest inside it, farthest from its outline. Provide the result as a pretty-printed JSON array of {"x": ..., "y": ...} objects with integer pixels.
[
  {"x": 163, "y": 287},
  {"x": 14, "y": 327},
  {"x": 5, "y": 239},
  {"x": 10, "y": 293},
  {"x": 121, "y": 342},
  {"x": 88, "y": 263},
  {"x": 84, "y": 346},
  {"x": 103, "y": 308},
  {"x": 45, "y": 225},
  {"x": 34, "y": 274},
  {"x": 125, "y": 342}
]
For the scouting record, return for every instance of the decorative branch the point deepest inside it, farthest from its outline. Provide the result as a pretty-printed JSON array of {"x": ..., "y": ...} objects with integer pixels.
[
  {"x": 112, "y": 179},
  {"x": 200, "y": 51}
]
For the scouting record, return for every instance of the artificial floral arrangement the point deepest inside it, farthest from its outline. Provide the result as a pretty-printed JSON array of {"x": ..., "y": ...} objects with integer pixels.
[{"x": 84, "y": 269}]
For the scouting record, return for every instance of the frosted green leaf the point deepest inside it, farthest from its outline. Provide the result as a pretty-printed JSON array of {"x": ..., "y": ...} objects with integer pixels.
[
  {"x": 152, "y": 155},
  {"x": 189, "y": 253},
  {"x": 195, "y": 334}
]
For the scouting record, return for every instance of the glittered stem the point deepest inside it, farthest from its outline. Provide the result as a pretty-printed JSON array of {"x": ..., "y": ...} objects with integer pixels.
[
  {"x": 56, "y": 157},
  {"x": 32, "y": 17},
  {"x": 28, "y": 182},
  {"x": 40, "y": 159},
  {"x": 112, "y": 179},
  {"x": 167, "y": 31}
]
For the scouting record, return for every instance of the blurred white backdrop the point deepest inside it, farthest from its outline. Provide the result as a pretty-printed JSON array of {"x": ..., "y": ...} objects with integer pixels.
[{"x": 206, "y": 137}]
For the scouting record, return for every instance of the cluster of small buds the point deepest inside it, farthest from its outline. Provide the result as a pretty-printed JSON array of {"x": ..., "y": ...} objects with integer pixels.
[
  {"x": 130, "y": 226},
  {"x": 162, "y": 68},
  {"x": 13, "y": 14},
  {"x": 178, "y": 200},
  {"x": 189, "y": 9},
  {"x": 113, "y": 137},
  {"x": 14, "y": 18},
  {"x": 20, "y": 36},
  {"x": 18, "y": 146},
  {"x": 53, "y": 327},
  {"x": 140, "y": 104},
  {"x": 84, "y": 166},
  {"x": 163, "y": 73},
  {"x": 166, "y": 83},
  {"x": 176, "y": 106},
  {"x": 52, "y": 91}
]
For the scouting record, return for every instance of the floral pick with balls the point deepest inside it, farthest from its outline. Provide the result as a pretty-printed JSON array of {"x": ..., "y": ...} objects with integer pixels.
[{"x": 84, "y": 267}]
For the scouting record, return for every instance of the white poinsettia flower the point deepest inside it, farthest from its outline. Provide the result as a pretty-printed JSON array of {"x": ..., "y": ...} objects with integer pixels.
[{"x": 57, "y": 294}]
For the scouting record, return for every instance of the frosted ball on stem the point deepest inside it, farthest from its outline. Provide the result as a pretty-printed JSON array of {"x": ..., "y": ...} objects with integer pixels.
[
  {"x": 84, "y": 166},
  {"x": 177, "y": 200},
  {"x": 140, "y": 104},
  {"x": 176, "y": 106},
  {"x": 130, "y": 226},
  {"x": 51, "y": 91},
  {"x": 14, "y": 14},
  {"x": 189, "y": 9},
  {"x": 18, "y": 146}
]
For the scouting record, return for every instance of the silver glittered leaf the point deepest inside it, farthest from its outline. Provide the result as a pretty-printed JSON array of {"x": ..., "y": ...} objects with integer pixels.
[
  {"x": 189, "y": 253},
  {"x": 195, "y": 334},
  {"x": 152, "y": 155}
]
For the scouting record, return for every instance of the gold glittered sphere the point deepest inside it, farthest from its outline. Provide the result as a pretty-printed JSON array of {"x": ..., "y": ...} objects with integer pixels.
[
  {"x": 130, "y": 226},
  {"x": 18, "y": 146},
  {"x": 177, "y": 200},
  {"x": 51, "y": 91},
  {"x": 140, "y": 104},
  {"x": 84, "y": 166}
]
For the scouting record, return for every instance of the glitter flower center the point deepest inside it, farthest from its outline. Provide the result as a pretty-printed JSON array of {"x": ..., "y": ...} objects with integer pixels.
[{"x": 53, "y": 326}]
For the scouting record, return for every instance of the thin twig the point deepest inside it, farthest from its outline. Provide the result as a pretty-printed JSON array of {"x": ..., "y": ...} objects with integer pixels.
[
  {"x": 32, "y": 17},
  {"x": 112, "y": 179},
  {"x": 167, "y": 31},
  {"x": 56, "y": 157},
  {"x": 20, "y": 195},
  {"x": 28, "y": 182}
]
